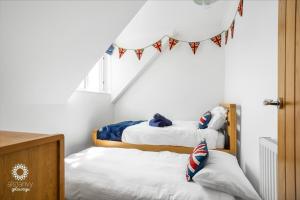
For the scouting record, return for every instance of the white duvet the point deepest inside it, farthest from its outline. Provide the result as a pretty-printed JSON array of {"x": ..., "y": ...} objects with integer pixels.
[
  {"x": 129, "y": 174},
  {"x": 181, "y": 133}
]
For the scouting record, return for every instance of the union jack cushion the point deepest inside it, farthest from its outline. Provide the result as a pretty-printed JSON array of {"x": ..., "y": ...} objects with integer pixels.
[
  {"x": 196, "y": 160},
  {"x": 204, "y": 120}
]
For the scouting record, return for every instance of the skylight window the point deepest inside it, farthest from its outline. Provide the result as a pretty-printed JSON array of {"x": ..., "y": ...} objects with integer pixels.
[{"x": 97, "y": 79}]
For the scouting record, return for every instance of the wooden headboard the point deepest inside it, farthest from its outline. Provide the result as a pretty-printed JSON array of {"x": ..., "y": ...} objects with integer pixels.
[
  {"x": 231, "y": 130},
  {"x": 231, "y": 127}
]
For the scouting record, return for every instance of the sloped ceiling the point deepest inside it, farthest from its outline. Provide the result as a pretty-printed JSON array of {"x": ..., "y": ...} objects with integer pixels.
[
  {"x": 184, "y": 19},
  {"x": 47, "y": 47}
]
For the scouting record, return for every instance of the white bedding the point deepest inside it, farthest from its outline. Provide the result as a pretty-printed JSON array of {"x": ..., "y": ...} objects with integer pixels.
[
  {"x": 130, "y": 174},
  {"x": 181, "y": 133}
]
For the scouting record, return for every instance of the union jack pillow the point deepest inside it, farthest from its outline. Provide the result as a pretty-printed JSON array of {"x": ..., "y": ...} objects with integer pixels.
[
  {"x": 204, "y": 120},
  {"x": 196, "y": 160}
]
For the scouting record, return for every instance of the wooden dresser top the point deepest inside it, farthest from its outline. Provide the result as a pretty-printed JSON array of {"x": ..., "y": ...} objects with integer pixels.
[{"x": 10, "y": 141}]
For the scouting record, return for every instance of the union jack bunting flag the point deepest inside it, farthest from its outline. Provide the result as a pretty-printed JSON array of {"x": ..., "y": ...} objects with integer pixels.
[
  {"x": 226, "y": 37},
  {"x": 217, "y": 40},
  {"x": 196, "y": 160},
  {"x": 194, "y": 46},
  {"x": 240, "y": 8},
  {"x": 172, "y": 42},
  {"x": 139, "y": 53},
  {"x": 232, "y": 28},
  {"x": 157, "y": 45},
  {"x": 121, "y": 52}
]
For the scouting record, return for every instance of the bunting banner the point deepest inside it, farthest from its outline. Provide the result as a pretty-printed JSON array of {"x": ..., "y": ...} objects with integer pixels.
[
  {"x": 157, "y": 45},
  {"x": 139, "y": 53},
  {"x": 232, "y": 28},
  {"x": 240, "y": 8},
  {"x": 194, "y": 46},
  {"x": 110, "y": 50},
  {"x": 226, "y": 37},
  {"x": 172, "y": 42},
  {"x": 121, "y": 52},
  {"x": 217, "y": 40}
]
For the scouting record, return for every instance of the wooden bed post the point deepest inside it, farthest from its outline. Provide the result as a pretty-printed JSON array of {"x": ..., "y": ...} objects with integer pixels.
[{"x": 231, "y": 128}]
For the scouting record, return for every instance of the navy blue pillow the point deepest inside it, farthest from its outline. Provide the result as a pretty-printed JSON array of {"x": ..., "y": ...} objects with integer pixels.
[
  {"x": 204, "y": 120},
  {"x": 196, "y": 160}
]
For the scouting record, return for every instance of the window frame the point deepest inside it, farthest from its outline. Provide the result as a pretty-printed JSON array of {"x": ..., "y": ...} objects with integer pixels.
[{"x": 101, "y": 64}]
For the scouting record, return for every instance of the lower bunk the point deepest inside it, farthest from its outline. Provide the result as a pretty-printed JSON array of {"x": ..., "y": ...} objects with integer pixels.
[{"x": 131, "y": 174}]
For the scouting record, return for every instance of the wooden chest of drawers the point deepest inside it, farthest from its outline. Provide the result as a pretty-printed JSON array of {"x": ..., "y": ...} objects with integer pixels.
[{"x": 31, "y": 166}]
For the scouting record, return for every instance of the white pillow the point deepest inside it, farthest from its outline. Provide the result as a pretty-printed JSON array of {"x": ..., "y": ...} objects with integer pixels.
[
  {"x": 219, "y": 110},
  {"x": 217, "y": 121},
  {"x": 223, "y": 173}
]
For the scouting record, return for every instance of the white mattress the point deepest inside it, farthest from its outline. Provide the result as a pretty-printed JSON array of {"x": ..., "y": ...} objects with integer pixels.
[
  {"x": 130, "y": 174},
  {"x": 181, "y": 133}
]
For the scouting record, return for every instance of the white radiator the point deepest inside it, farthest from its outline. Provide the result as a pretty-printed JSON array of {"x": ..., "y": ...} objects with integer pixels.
[{"x": 268, "y": 168}]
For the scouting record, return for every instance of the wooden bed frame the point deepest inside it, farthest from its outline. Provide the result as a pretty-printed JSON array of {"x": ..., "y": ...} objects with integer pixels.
[{"x": 231, "y": 130}]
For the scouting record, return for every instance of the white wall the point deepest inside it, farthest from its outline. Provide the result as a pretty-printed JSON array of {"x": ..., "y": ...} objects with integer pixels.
[
  {"x": 76, "y": 119},
  {"x": 48, "y": 47},
  {"x": 251, "y": 76},
  {"x": 177, "y": 83}
]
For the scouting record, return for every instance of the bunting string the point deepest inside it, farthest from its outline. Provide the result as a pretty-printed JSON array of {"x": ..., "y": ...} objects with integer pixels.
[{"x": 172, "y": 42}]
